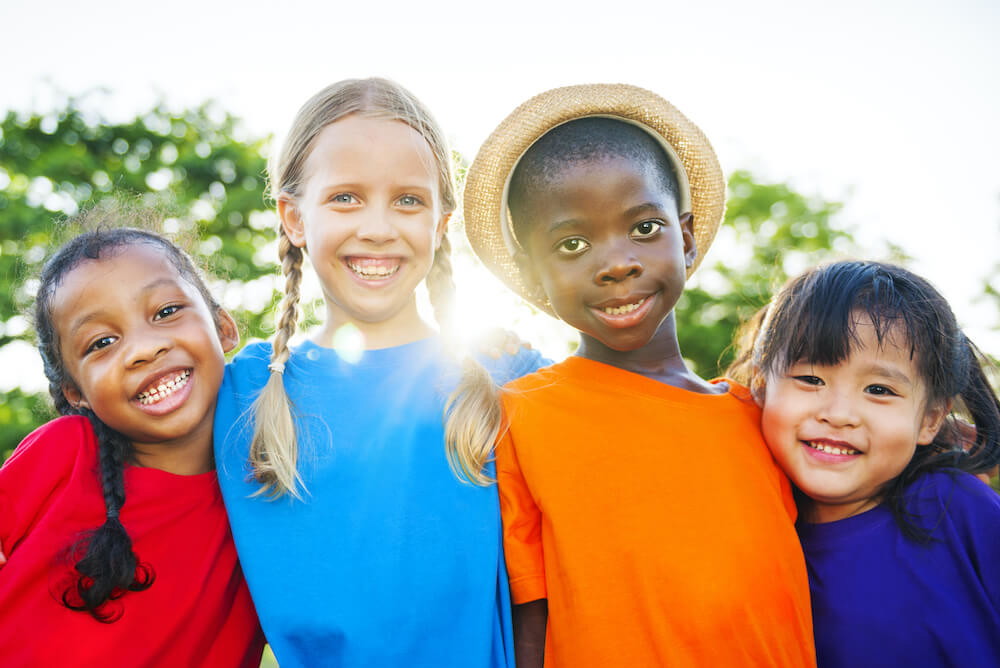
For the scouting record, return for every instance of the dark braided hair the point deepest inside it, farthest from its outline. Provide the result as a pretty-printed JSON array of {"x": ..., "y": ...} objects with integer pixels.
[
  {"x": 813, "y": 319},
  {"x": 107, "y": 567}
]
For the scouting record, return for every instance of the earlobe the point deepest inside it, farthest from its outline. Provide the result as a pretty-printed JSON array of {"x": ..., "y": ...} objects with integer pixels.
[
  {"x": 229, "y": 333},
  {"x": 931, "y": 425},
  {"x": 291, "y": 219},
  {"x": 687, "y": 232},
  {"x": 442, "y": 229},
  {"x": 74, "y": 396}
]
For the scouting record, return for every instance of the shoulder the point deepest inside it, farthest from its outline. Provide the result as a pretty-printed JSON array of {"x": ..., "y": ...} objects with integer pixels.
[
  {"x": 963, "y": 497},
  {"x": 54, "y": 447},
  {"x": 510, "y": 367}
]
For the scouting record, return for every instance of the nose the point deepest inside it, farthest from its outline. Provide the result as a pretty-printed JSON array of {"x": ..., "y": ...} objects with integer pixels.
[
  {"x": 837, "y": 409},
  {"x": 617, "y": 266},
  {"x": 377, "y": 227},
  {"x": 147, "y": 345}
]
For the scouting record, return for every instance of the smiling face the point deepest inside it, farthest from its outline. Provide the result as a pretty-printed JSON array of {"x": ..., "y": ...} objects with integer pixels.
[
  {"x": 369, "y": 214},
  {"x": 842, "y": 431},
  {"x": 606, "y": 244},
  {"x": 142, "y": 348}
]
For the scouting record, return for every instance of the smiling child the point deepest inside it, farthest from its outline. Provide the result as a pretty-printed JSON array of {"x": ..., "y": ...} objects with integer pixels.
[{"x": 645, "y": 522}]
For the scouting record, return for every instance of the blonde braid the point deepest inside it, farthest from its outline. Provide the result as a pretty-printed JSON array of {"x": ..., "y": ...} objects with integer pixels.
[
  {"x": 473, "y": 414},
  {"x": 274, "y": 447}
]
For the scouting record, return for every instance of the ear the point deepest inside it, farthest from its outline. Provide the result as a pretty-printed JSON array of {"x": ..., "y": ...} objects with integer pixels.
[
  {"x": 932, "y": 421},
  {"x": 74, "y": 396},
  {"x": 291, "y": 219},
  {"x": 528, "y": 274},
  {"x": 229, "y": 333},
  {"x": 687, "y": 233},
  {"x": 442, "y": 228}
]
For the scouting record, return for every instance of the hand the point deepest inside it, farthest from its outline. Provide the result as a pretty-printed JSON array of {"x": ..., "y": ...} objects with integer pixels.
[{"x": 500, "y": 342}]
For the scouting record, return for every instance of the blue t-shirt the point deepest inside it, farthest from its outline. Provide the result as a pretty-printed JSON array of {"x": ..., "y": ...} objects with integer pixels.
[
  {"x": 881, "y": 599},
  {"x": 389, "y": 560}
]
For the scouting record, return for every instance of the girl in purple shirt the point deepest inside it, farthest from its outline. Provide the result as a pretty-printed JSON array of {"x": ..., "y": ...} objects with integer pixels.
[{"x": 860, "y": 367}]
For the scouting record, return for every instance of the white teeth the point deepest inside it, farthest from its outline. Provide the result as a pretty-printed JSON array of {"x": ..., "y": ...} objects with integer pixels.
[
  {"x": 164, "y": 389},
  {"x": 628, "y": 308},
  {"x": 373, "y": 271},
  {"x": 831, "y": 449}
]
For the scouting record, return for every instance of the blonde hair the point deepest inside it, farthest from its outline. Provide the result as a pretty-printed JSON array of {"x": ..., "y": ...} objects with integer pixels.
[{"x": 472, "y": 413}]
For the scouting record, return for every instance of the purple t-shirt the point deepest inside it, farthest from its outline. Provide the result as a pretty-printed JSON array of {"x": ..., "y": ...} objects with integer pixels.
[{"x": 880, "y": 599}]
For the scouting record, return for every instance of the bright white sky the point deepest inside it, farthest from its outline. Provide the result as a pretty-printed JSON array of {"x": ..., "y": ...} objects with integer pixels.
[{"x": 892, "y": 107}]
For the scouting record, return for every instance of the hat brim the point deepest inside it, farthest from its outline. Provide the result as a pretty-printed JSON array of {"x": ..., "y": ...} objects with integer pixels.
[{"x": 485, "y": 196}]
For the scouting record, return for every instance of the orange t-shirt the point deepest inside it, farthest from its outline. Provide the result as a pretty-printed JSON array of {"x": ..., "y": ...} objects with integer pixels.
[{"x": 654, "y": 521}]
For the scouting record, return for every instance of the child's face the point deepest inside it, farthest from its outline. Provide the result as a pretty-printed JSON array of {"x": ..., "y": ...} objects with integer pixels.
[
  {"x": 129, "y": 324},
  {"x": 841, "y": 432},
  {"x": 607, "y": 246},
  {"x": 369, "y": 214}
]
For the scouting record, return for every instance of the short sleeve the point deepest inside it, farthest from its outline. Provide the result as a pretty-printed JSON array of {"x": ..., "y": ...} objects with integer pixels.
[
  {"x": 975, "y": 509},
  {"x": 39, "y": 467},
  {"x": 511, "y": 367},
  {"x": 522, "y": 527}
]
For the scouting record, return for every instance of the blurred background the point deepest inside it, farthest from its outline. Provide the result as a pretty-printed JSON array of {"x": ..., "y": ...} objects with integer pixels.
[{"x": 845, "y": 129}]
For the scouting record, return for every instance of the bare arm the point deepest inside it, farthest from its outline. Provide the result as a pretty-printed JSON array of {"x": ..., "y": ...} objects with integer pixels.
[{"x": 529, "y": 633}]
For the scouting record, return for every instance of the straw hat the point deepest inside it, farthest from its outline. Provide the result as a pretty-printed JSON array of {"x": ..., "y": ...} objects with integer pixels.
[{"x": 487, "y": 223}]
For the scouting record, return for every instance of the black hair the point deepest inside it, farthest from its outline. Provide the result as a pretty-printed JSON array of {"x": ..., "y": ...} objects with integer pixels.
[
  {"x": 578, "y": 141},
  {"x": 107, "y": 566},
  {"x": 814, "y": 319}
]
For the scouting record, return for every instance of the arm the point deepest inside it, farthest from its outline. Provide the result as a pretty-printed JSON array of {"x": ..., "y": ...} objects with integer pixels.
[{"x": 529, "y": 633}]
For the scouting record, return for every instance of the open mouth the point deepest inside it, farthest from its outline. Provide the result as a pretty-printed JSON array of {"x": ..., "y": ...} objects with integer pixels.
[
  {"x": 622, "y": 310},
  {"x": 831, "y": 449},
  {"x": 373, "y": 268},
  {"x": 163, "y": 388}
]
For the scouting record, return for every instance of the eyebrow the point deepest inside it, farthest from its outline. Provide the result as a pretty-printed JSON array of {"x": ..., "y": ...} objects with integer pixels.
[
  {"x": 890, "y": 372},
  {"x": 94, "y": 315}
]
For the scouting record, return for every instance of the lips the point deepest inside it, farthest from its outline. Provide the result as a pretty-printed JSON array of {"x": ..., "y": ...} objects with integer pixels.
[
  {"x": 623, "y": 312},
  {"x": 373, "y": 268},
  {"x": 163, "y": 387},
  {"x": 832, "y": 448}
]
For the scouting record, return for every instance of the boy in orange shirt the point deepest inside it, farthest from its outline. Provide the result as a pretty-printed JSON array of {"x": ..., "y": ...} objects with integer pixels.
[{"x": 645, "y": 523}]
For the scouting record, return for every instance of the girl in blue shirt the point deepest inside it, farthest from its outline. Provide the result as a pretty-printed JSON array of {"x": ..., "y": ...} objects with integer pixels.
[
  {"x": 859, "y": 366},
  {"x": 357, "y": 478}
]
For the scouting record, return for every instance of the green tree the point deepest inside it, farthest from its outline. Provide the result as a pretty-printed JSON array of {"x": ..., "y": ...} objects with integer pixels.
[
  {"x": 53, "y": 164},
  {"x": 769, "y": 233}
]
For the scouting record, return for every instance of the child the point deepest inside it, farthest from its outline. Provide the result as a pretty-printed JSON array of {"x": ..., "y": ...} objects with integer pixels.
[
  {"x": 361, "y": 545},
  {"x": 645, "y": 522},
  {"x": 858, "y": 365},
  {"x": 110, "y": 516}
]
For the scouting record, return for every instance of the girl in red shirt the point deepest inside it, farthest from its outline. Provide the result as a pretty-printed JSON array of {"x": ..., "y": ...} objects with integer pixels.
[{"x": 115, "y": 535}]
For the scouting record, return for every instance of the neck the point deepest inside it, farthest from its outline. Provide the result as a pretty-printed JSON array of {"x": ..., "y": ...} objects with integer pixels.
[
  {"x": 191, "y": 457},
  {"x": 659, "y": 359},
  {"x": 341, "y": 333}
]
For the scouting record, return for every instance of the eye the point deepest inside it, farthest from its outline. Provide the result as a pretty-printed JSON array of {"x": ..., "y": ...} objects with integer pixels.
[
  {"x": 646, "y": 229},
  {"x": 344, "y": 198},
  {"x": 880, "y": 391},
  {"x": 167, "y": 311},
  {"x": 102, "y": 342},
  {"x": 409, "y": 200},
  {"x": 572, "y": 246},
  {"x": 815, "y": 381}
]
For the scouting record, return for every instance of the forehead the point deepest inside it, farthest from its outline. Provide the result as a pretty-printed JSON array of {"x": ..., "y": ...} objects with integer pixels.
[
  {"x": 121, "y": 276},
  {"x": 605, "y": 184},
  {"x": 368, "y": 147}
]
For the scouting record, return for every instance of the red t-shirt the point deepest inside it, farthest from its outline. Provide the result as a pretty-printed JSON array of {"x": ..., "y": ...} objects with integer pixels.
[
  {"x": 197, "y": 612},
  {"x": 654, "y": 520}
]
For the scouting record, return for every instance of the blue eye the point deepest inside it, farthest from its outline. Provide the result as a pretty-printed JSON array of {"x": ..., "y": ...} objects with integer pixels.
[
  {"x": 344, "y": 198},
  {"x": 409, "y": 200},
  {"x": 572, "y": 246},
  {"x": 646, "y": 229}
]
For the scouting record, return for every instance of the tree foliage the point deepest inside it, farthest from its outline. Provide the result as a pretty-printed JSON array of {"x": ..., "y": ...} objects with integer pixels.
[
  {"x": 54, "y": 164},
  {"x": 770, "y": 232}
]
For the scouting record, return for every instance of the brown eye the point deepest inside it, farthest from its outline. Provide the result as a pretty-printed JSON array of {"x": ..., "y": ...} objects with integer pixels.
[
  {"x": 646, "y": 229},
  {"x": 572, "y": 246}
]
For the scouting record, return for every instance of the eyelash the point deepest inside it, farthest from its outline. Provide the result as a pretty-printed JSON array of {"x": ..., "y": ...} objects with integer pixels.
[
  {"x": 657, "y": 226},
  {"x": 561, "y": 247}
]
